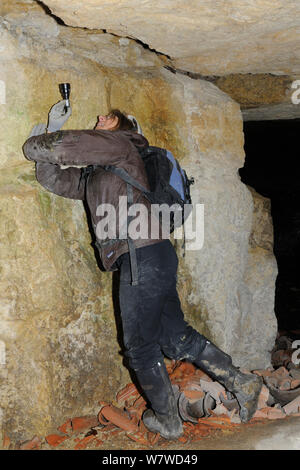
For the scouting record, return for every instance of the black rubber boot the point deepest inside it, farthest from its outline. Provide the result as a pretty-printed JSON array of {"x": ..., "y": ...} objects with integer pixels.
[
  {"x": 163, "y": 418},
  {"x": 245, "y": 387}
]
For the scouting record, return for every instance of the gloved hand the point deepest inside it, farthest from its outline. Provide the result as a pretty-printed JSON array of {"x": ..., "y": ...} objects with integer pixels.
[
  {"x": 38, "y": 129},
  {"x": 58, "y": 115}
]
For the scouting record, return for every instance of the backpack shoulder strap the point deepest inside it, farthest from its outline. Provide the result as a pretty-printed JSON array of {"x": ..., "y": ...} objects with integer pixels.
[{"x": 126, "y": 177}]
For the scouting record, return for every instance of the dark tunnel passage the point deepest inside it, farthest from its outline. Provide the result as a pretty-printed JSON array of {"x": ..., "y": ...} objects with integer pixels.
[{"x": 272, "y": 169}]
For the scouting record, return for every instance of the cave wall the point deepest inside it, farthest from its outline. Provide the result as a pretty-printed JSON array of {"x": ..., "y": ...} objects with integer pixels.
[{"x": 58, "y": 341}]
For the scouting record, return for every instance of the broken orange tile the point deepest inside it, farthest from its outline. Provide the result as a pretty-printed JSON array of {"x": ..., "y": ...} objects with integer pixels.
[
  {"x": 82, "y": 444},
  {"x": 66, "y": 428},
  {"x": 213, "y": 424},
  {"x": 139, "y": 403},
  {"x": 129, "y": 392},
  {"x": 55, "y": 440},
  {"x": 153, "y": 438},
  {"x": 188, "y": 368},
  {"x": 33, "y": 444},
  {"x": 202, "y": 375},
  {"x": 98, "y": 442},
  {"x": 269, "y": 413},
  {"x": 263, "y": 372},
  {"x": 119, "y": 418},
  {"x": 276, "y": 413},
  {"x": 138, "y": 437},
  {"x": 284, "y": 384},
  {"x": 280, "y": 373},
  {"x": 6, "y": 441},
  {"x": 115, "y": 432},
  {"x": 190, "y": 382},
  {"x": 261, "y": 413},
  {"x": 183, "y": 369},
  {"x": 193, "y": 394},
  {"x": 81, "y": 423},
  {"x": 295, "y": 384}
]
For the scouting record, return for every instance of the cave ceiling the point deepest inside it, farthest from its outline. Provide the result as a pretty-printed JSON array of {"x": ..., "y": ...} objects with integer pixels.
[{"x": 248, "y": 48}]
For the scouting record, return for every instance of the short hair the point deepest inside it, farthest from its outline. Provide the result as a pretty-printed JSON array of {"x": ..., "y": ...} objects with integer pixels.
[{"x": 124, "y": 123}]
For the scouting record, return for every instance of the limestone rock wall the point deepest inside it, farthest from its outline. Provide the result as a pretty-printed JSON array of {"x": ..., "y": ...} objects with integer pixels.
[
  {"x": 232, "y": 36},
  {"x": 255, "y": 327},
  {"x": 228, "y": 299},
  {"x": 59, "y": 352}
]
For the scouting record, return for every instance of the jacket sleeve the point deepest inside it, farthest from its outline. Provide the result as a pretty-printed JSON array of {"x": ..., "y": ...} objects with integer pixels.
[
  {"x": 78, "y": 148},
  {"x": 67, "y": 183}
]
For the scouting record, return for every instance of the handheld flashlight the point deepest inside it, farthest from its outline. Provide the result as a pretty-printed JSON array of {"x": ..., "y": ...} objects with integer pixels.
[{"x": 65, "y": 89}]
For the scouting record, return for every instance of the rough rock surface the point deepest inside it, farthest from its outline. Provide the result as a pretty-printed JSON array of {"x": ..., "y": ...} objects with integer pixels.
[
  {"x": 256, "y": 295},
  {"x": 58, "y": 345},
  {"x": 199, "y": 36}
]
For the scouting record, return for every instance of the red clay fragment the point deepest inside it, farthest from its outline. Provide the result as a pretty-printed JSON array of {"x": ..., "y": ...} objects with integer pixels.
[
  {"x": 119, "y": 418},
  {"x": 262, "y": 413},
  {"x": 66, "y": 428},
  {"x": 202, "y": 375},
  {"x": 33, "y": 444},
  {"x": 193, "y": 394},
  {"x": 295, "y": 384},
  {"x": 138, "y": 437},
  {"x": 276, "y": 413},
  {"x": 98, "y": 442},
  {"x": 81, "y": 423},
  {"x": 55, "y": 439},
  {"x": 280, "y": 373},
  {"x": 127, "y": 393},
  {"x": 285, "y": 384},
  {"x": 6, "y": 441},
  {"x": 82, "y": 444},
  {"x": 269, "y": 413},
  {"x": 188, "y": 368},
  {"x": 153, "y": 438},
  {"x": 183, "y": 369},
  {"x": 139, "y": 403},
  {"x": 263, "y": 372}
]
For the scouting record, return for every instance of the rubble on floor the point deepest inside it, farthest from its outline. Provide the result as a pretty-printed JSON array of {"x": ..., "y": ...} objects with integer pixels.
[{"x": 205, "y": 406}]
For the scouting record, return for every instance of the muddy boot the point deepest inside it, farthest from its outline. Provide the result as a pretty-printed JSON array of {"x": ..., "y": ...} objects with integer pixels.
[
  {"x": 163, "y": 418},
  {"x": 245, "y": 387}
]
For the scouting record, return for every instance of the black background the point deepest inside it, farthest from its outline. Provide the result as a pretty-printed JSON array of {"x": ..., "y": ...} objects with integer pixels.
[{"x": 272, "y": 169}]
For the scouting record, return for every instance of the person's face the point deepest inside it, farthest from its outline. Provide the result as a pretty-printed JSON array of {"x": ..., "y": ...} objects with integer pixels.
[{"x": 106, "y": 123}]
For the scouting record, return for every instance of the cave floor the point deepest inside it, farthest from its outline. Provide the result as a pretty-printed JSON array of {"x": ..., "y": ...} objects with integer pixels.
[{"x": 283, "y": 434}]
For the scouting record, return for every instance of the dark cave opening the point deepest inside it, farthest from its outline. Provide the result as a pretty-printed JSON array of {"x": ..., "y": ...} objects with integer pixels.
[{"x": 272, "y": 169}]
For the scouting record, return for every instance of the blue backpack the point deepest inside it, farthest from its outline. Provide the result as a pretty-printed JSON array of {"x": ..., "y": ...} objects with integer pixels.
[{"x": 168, "y": 183}]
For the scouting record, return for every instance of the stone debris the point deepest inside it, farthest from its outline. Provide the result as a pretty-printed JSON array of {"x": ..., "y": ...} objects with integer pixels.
[{"x": 219, "y": 411}]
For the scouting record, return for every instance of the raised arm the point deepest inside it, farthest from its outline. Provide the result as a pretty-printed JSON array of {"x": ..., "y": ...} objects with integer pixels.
[{"x": 74, "y": 147}]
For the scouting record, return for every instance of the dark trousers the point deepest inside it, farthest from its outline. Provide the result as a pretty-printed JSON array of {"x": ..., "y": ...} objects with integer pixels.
[{"x": 152, "y": 319}]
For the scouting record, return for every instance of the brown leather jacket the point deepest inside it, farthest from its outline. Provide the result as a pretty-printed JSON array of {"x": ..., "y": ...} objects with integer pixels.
[{"x": 92, "y": 147}]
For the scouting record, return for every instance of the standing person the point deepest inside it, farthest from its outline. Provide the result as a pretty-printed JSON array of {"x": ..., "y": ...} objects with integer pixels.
[{"x": 152, "y": 319}]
